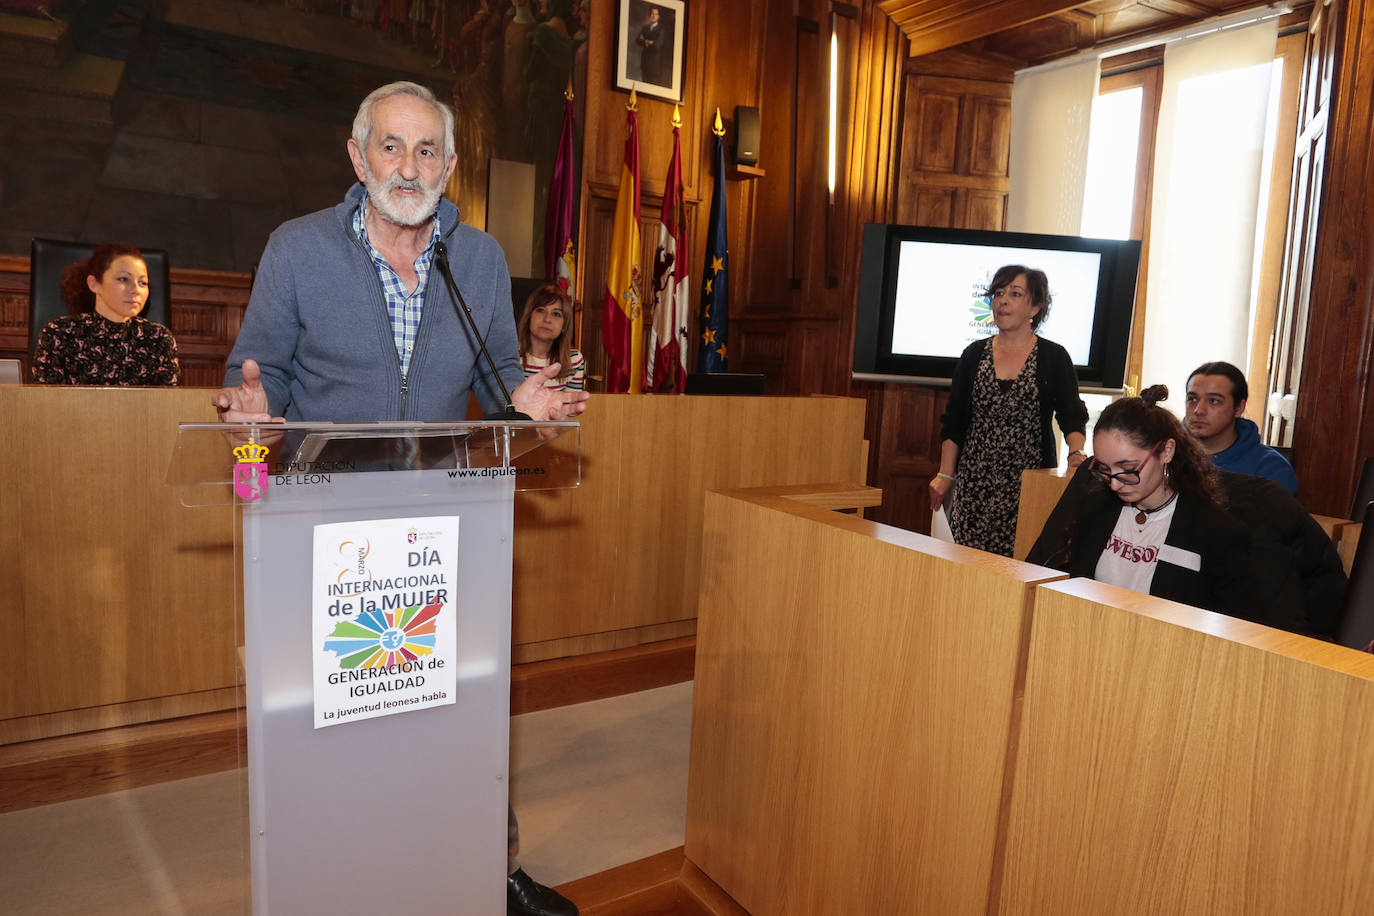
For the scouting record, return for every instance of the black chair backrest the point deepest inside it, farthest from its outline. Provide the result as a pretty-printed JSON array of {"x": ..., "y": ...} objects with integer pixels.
[
  {"x": 1364, "y": 492},
  {"x": 520, "y": 289},
  {"x": 48, "y": 258},
  {"x": 1357, "y": 620}
]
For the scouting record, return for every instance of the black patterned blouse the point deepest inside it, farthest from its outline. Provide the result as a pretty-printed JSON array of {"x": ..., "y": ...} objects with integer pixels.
[{"x": 90, "y": 349}]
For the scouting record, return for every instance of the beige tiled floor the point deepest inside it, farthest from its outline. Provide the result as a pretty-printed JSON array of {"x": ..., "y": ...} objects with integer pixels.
[
  {"x": 596, "y": 785},
  {"x": 600, "y": 784}
]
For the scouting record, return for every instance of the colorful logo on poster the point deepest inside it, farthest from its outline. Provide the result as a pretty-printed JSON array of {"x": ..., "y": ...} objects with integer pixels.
[
  {"x": 379, "y": 639},
  {"x": 411, "y": 536},
  {"x": 250, "y": 473},
  {"x": 981, "y": 309}
]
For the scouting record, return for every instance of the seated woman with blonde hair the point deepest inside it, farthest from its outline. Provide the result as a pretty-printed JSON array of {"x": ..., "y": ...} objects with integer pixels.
[
  {"x": 544, "y": 335},
  {"x": 104, "y": 341}
]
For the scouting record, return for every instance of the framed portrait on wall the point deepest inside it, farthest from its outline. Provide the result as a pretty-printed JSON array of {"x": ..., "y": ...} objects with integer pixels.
[{"x": 651, "y": 40}]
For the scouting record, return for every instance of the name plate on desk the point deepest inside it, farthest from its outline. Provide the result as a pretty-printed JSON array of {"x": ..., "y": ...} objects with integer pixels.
[{"x": 383, "y": 617}]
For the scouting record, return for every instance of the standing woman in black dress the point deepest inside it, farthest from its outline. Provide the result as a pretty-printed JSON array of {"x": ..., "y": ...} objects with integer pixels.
[
  {"x": 1005, "y": 390},
  {"x": 104, "y": 341}
]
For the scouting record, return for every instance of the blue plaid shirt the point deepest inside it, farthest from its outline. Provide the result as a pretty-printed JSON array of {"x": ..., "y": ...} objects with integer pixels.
[{"x": 403, "y": 307}]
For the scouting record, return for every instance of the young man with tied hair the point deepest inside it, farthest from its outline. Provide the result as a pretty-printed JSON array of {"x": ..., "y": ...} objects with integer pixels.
[
  {"x": 1217, "y": 393},
  {"x": 350, "y": 320}
]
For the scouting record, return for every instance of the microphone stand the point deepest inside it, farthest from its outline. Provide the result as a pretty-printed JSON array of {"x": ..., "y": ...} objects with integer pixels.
[{"x": 456, "y": 297}]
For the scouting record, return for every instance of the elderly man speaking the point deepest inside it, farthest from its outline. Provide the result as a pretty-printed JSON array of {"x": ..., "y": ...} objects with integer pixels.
[{"x": 349, "y": 324}]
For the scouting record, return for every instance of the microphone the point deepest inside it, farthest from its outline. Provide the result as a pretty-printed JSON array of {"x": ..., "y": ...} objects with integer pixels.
[{"x": 456, "y": 297}]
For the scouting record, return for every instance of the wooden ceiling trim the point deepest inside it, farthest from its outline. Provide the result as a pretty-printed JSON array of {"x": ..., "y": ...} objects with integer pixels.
[
  {"x": 1184, "y": 9},
  {"x": 1041, "y": 31},
  {"x": 929, "y": 29}
]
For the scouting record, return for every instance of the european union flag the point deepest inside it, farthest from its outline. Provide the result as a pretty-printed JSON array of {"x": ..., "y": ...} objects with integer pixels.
[{"x": 715, "y": 286}]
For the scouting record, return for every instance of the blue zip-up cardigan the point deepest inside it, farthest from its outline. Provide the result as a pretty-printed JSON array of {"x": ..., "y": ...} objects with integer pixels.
[{"x": 318, "y": 327}]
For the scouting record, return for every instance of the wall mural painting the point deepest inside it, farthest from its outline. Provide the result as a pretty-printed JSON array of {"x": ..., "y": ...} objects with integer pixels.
[
  {"x": 513, "y": 70},
  {"x": 217, "y": 121},
  {"x": 512, "y": 60}
]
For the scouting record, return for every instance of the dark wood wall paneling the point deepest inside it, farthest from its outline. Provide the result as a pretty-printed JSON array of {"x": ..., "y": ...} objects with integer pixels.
[
  {"x": 955, "y": 146},
  {"x": 793, "y": 256},
  {"x": 14, "y": 308},
  {"x": 796, "y": 323},
  {"x": 1335, "y": 419}
]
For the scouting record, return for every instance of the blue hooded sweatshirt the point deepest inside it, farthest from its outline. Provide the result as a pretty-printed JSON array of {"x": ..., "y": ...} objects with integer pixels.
[{"x": 1248, "y": 455}]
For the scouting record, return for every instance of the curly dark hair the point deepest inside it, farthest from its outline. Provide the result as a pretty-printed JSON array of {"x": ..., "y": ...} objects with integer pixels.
[
  {"x": 1149, "y": 426},
  {"x": 75, "y": 292},
  {"x": 1037, "y": 284}
]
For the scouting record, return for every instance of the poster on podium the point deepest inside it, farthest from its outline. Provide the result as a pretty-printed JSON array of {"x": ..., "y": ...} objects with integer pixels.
[{"x": 383, "y": 617}]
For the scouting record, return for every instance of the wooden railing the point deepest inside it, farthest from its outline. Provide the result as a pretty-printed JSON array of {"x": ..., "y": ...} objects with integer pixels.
[
  {"x": 126, "y": 599},
  {"x": 887, "y": 723}
]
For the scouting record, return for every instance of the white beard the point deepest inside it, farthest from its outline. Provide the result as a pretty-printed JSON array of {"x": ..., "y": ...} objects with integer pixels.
[{"x": 403, "y": 211}]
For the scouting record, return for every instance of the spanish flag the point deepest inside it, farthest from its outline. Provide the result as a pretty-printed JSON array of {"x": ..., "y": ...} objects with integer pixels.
[{"x": 622, "y": 321}]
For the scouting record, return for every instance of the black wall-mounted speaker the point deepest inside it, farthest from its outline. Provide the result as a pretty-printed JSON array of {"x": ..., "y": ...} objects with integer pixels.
[{"x": 746, "y": 135}]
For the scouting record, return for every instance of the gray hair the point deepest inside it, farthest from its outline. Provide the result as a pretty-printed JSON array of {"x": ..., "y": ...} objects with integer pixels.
[{"x": 362, "y": 122}]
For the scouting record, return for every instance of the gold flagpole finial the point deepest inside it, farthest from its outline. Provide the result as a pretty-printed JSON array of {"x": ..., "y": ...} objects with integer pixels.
[
  {"x": 568, "y": 93},
  {"x": 677, "y": 114},
  {"x": 633, "y": 103},
  {"x": 719, "y": 129}
]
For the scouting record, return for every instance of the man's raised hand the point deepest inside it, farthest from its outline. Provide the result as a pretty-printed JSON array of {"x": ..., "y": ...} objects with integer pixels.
[{"x": 245, "y": 402}]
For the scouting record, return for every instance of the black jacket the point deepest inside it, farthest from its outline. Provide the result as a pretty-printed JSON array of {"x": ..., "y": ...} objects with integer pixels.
[
  {"x": 1300, "y": 566},
  {"x": 1272, "y": 562},
  {"x": 1056, "y": 379}
]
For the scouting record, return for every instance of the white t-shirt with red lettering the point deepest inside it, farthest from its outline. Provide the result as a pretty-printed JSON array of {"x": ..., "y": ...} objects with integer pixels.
[{"x": 1132, "y": 552}]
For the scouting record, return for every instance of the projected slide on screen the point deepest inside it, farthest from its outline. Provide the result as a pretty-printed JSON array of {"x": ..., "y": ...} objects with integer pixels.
[{"x": 940, "y": 308}]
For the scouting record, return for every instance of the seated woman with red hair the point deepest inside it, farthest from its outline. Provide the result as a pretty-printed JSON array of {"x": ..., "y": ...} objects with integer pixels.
[{"x": 104, "y": 341}]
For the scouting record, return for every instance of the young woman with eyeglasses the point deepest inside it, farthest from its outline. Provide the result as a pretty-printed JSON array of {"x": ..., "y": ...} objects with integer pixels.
[{"x": 1159, "y": 524}]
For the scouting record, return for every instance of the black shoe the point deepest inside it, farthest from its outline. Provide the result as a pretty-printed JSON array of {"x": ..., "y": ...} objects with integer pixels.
[{"x": 527, "y": 897}]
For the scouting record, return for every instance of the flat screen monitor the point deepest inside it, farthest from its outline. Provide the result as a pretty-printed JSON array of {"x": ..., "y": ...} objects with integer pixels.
[{"x": 922, "y": 299}]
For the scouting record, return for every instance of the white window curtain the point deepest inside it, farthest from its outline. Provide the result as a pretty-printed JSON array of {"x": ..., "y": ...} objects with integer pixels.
[
  {"x": 1208, "y": 153},
  {"x": 1051, "y": 111}
]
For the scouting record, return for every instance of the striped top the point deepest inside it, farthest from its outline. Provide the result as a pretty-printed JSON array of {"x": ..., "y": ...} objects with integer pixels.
[{"x": 571, "y": 382}]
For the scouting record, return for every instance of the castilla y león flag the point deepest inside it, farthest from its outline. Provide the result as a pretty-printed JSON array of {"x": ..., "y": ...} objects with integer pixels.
[
  {"x": 667, "y": 369},
  {"x": 560, "y": 258}
]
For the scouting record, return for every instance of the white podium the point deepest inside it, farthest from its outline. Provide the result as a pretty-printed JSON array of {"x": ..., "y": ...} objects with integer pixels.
[{"x": 396, "y": 801}]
